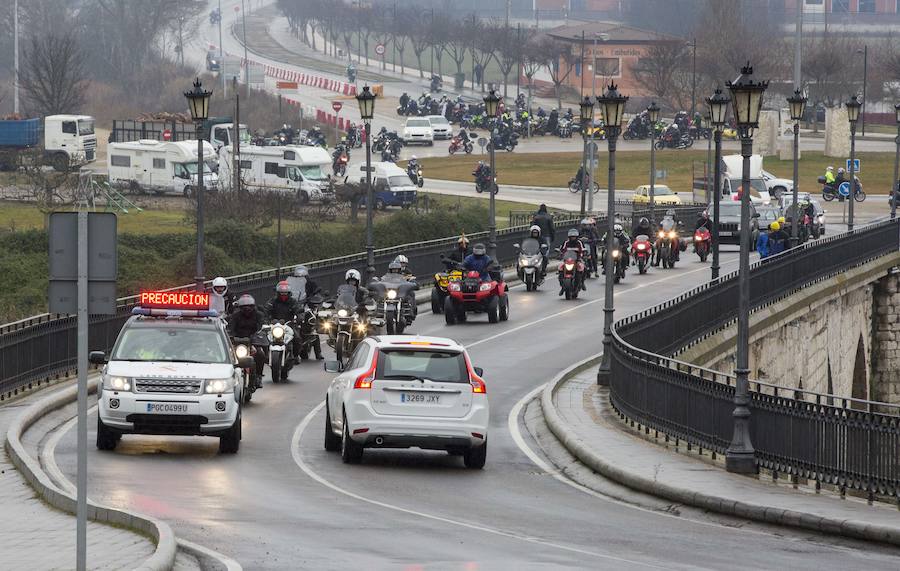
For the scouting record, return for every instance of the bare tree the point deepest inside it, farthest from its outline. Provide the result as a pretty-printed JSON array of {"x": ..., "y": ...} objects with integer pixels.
[
  {"x": 458, "y": 41},
  {"x": 560, "y": 62},
  {"x": 665, "y": 72},
  {"x": 400, "y": 23},
  {"x": 52, "y": 77},
  {"x": 483, "y": 46},
  {"x": 510, "y": 42},
  {"x": 420, "y": 39},
  {"x": 887, "y": 64},
  {"x": 533, "y": 59},
  {"x": 828, "y": 66}
]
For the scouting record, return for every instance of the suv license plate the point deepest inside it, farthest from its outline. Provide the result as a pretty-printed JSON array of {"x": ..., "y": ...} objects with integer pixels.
[
  {"x": 419, "y": 398},
  {"x": 167, "y": 408}
]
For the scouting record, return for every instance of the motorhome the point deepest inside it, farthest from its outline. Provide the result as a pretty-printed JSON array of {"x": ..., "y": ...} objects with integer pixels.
[
  {"x": 292, "y": 169},
  {"x": 154, "y": 166}
]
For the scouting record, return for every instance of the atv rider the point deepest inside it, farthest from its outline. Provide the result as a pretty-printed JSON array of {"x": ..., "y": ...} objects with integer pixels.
[
  {"x": 245, "y": 322},
  {"x": 479, "y": 261}
]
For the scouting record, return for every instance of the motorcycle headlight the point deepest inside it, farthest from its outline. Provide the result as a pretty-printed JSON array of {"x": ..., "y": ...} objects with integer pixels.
[
  {"x": 641, "y": 246},
  {"x": 525, "y": 261},
  {"x": 219, "y": 386},
  {"x": 342, "y": 313},
  {"x": 570, "y": 267},
  {"x": 485, "y": 287},
  {"x": 278, "y": 332},
  {"x": 615, "y": 253},
  {"x": 697, "y": 237},
  {"x": 672, "y": 235},
  {"x": 361, "y": 327},
  {"x": 117, "y": 383},
  {"x": 241, "y": 351},
  {"x": 326, "y": 326},
  {"x": 662, "y": 234},
  {"x": 392, "y": 294}
]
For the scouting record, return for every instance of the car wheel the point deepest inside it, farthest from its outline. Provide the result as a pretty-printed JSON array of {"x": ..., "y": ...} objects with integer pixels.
[
  {"x": 332, "y": 440},
  {"x": 231, "y": 440},
  {"x": 493, "y": 310},
  {"x": 475, "y": 457},
  {"x": 449, "y": 312},
  {"x": 351, "y": 452},
  {"x": 106, "y": 438},
  {"x": 302, "y": 197},
  {"x": 380, "y": 204}
]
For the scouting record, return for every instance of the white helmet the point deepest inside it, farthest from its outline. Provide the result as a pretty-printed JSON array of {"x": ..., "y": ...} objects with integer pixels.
[
  {"x": 220, "y": 282},
  {"x": 413, "y": 158},
  {"x": 830, "y": 168},
  {"x": 301, "y": 272},
  {"x": 534, "y": 228},
  {"x": 617, "y": 228},
  {"x": 402, "y": 260},
  {"x": 352, "y": 275}
]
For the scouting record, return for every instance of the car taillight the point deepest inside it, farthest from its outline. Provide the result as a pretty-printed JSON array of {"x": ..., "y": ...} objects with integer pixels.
[
  {"x": 364, "y": 381},
  {"x": 478, "y": 386}
]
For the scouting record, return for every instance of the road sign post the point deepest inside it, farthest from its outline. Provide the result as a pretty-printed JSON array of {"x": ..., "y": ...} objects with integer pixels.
[
  {"x": 82, "y": 281},
  {"x": 379, "y": 50},
  {"x": 337, "y": 106}
]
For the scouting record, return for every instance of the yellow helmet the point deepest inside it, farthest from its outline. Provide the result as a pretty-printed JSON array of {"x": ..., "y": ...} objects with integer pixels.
[
  {"x": 781, "y": 219},
  {"x": 775, "y": 226}
]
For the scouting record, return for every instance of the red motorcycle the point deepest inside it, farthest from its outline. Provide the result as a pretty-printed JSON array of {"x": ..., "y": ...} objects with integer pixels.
[
  {"x": 571, "y": 274},
  {"x": 702, "y": 242},
  {"x": 339, "y": 165},
  {"x": 472, "y": 294},
  {"x": 643, "y": 251},
  {"x": 457, "y": 144}
]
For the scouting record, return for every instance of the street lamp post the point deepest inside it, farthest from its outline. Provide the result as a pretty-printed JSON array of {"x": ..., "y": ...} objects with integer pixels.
[
  {"x": 693, "y": 45},
  {"x": 613, "y": 104},
  {"x": 747, "y": 98},
  {"x": 366, "y": 100},
  {"x": 896, "y": 182},
  {"x": 492, "y": 107},
  {"x": 198, "y": 100},
  {"x": 653, "y": 113},
  {"x": 587, "y": 113},
  {"x": 797, "y": 103},
  {"x": 718, "y": 109},
  {"x": 853, "y": 107}
]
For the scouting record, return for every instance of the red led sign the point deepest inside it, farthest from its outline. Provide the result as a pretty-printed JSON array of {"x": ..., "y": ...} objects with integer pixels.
[{"x": 175, "y": 299}]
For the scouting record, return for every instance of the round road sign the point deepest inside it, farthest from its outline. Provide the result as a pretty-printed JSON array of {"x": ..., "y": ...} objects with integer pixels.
[
  {"x": 337, "y": 105},
  {"x": 379, "y": 49},
  {"x": 844, "y": 189}
]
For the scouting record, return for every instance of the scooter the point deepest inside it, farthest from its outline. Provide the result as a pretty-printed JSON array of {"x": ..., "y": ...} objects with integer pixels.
[{"x": 530, "y": 264}]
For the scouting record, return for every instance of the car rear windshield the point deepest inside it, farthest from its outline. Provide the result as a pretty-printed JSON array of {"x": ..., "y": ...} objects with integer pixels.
[
  {"x": 418, "y": 123},
  {"x": 171, "y": 343},
  {"x": 406, "y": 364}
]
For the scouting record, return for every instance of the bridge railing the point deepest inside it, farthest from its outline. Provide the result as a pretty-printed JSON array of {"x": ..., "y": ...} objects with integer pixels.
[
  {"x": 846, "y": 442},
  {"x": 43, "y": 347}
]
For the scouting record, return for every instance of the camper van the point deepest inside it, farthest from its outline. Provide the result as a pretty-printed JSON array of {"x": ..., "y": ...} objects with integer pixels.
[
  {"x": 393, "y": 186},
  {"x": 732, "y": 166},
  {"x": 296, "y": 169},
  {"x": 154, "y": 166}
]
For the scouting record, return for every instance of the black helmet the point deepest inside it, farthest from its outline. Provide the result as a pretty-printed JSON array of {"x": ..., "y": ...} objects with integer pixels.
[
  {"x": 246, "y": 303},
  {"x": 479, "y": 249},
  {"x": 644, "y": 222}
]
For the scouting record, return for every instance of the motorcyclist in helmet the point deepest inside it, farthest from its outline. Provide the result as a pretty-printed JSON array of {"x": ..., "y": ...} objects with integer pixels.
[
  {"x": 354, "y": 278},
  {"x": 412, "y": 169},
  {"x": 462, "y": 250},
  {"x": 404, "y": 100},
  {"x": 703, "y": 221},
  {"x": 829, "y": 176},
  {"x": 404, "y": 267},
  {"x": 302, "y": 287},
  {"x": 479, "y": 261},
  {"x": 221, "y": 300},
  {"x": 284, "y": 308},
  {"x": 624, "y": 242},
  {"x": 643, "y": 228},
  {"x": 590, "y": 236},
  {"x": 668, "y": 224},
  {"x": 544, "y": 221},
  {"x": 573, "y": 242},
  {"x": 535, "y": 232},
  {"x": 244, "y": 322}
]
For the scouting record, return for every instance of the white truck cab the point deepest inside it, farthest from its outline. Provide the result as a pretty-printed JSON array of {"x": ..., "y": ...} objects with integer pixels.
[
  {"x": 172, "y": 371},
  {"x": 72, "y": 137},
  {"x": 155, "y": 166},
  {"x": 732, "y": 166},
  {"x": 300, "y": 170}
]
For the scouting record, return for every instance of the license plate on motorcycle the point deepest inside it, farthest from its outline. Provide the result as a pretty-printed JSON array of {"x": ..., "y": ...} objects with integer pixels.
[
  {"x": 167, "y": 408},
  {"x": 419, "y": 398}
]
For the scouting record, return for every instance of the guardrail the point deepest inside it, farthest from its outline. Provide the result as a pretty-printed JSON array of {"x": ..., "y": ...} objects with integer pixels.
[
  {"x": 625, "y": 209},
  {"x": 43, "y": 347},
  {"x": 845, "y": 442}
]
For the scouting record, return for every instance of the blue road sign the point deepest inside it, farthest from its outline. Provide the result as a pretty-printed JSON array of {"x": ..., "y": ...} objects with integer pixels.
[
  {"x": 844, "y": 188},
  {"x": 855, "y": 165}
]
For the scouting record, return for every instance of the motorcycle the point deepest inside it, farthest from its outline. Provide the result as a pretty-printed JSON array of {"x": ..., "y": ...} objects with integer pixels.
[
  {"x": 673, "y": 138},
  {"x": 281, "y": 355},
  {"x": 339, "y": 163},
  {"x": 437, "y": 83},
  {"x": 415, "y": 175},
  {"x": 667, "y": 247},
  {"x": 619, "y": 265},
  {"x": 309, "y": 337},
  {"x": 354, "y": 138},
  {"x": 571, "y": 273},
  {"x": 841, "y": 191},
  {"x": 457, "y": 143},
  {"x": 564, "y": 129},
  {"x": 702, "y": 242},
  {"x": 530, "y": 264},
  {"x": 485, "y": 182},
  {"x": 507, "y": 141},
  {"x": 442, "y": 283},
  {"x": 393, "y": 305},
  {"x": 342, "y": 322},
  {"x": 472, "y": 294},
  {"x": 251, "y": 381},
  {"x": 575, "y": 186},
  {"x": 643, "y": 250}
]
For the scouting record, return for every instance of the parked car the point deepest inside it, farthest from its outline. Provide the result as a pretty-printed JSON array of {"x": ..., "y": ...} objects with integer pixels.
[
  {"x": 440, "y": 126},
  {"x": 730, "y": 222},
  {"x": 418, "y": 130},
  {"x": 777, "y": 186},
  {"x": 662, "y": 194}
]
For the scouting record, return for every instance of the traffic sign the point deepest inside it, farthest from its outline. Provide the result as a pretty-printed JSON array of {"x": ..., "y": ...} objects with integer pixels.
[
  {"x": 337, "y": 106},
  {"x": 844, "y": 188},
  {"x": 855, "y": 165},
  {"x": 379, "y": 49}
]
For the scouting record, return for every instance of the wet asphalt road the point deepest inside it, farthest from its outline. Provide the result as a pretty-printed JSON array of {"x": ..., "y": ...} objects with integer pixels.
[{"x": 279, "y": 506}]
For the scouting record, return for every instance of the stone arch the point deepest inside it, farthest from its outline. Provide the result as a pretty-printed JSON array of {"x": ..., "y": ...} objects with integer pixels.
[{"x": 860, "y": 386}]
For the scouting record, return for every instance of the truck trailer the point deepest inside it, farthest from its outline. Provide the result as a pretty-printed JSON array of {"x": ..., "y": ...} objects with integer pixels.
[{"x": 219, "y": 131}]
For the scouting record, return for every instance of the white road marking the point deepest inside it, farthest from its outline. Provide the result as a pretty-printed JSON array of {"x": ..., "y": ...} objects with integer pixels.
[{"x": 295, "y": 453}]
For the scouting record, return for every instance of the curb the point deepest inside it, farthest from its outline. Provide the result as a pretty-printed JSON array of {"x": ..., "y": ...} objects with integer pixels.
[
  {"x": 768, "y": 514},
  {"x": 162, "y": 559}
]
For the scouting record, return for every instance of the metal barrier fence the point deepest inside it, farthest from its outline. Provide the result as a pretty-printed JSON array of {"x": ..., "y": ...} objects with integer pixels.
[
  {"x": 625, "y": 209},
  {"x": 840, "y": 441},
  {"x": 39, "y": 348}
]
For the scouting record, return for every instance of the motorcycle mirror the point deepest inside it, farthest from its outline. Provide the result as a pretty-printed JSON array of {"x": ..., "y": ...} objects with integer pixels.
[
  {"x": 333, "y": 367},
  {"x": 245, "y": 362}
]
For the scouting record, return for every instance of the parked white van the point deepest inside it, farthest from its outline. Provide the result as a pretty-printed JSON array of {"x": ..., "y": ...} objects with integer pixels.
[
  {"x": 160, "y": 167},
  {"x": 296, "y": 169}
]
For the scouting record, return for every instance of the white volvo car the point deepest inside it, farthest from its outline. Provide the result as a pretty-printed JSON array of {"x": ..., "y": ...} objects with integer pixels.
[{"x": 402, "y": 391}]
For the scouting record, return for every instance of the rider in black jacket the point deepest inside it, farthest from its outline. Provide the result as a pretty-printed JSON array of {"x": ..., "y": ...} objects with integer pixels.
[{"x": 245, "y": 322}]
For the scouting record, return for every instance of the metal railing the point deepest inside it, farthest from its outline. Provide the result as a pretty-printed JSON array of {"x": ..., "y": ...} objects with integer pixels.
[
  {"x": 846, "y": 442},
  {"x": 43, "y": 347},
  {"x": 627, "y": 210}
]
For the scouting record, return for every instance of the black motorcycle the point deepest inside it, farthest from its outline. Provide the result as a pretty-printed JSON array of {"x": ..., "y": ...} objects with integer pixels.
[
  {"x": 395, "y": 302},
  {"x": 307, "y": 325}
]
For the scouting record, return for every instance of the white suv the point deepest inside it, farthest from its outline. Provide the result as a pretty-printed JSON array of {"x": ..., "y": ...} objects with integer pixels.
[
  {"x": 402, "y": 391},
  {"x": 171, "y": 375},
  {"x": 418, "y": 130}
]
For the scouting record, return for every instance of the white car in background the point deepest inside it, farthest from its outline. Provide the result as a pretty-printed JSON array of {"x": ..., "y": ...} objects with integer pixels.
[
  {"x": 440, "y": 126},
  {"x": 777, "y": 186},
  {"x": 418, "y": 130},
  {"x": 405, "y": 391}
]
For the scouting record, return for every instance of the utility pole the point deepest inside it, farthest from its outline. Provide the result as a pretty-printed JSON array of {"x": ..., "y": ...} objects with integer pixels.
[
  {"x": 246, "y": 60},
  {"x": 16, "y": 57},
  {"x": 222, "y": 57},
  {"x": 236, "y": 143},
  {"x": 798, "y": 37}
]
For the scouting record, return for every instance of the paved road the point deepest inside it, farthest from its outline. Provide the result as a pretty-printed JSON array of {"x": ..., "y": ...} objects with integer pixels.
[{"x": 285, "y": 503}]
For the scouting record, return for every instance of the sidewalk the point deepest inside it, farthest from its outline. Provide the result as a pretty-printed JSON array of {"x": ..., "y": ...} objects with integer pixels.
[
  {"x": 37, "y": 536},
  {"x": 582, "y": 419}
]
